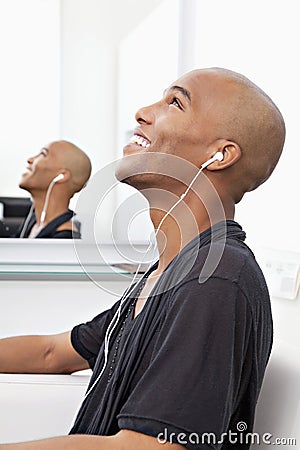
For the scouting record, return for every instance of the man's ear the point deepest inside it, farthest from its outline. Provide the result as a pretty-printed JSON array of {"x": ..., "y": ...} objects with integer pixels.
[
  {"x": 66, "y": 176},
  {"x": 231, "y": 152}
]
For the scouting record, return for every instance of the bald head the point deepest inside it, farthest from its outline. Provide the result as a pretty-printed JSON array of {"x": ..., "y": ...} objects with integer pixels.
[
  {"x": 241, "y": 112},
  {"x": 204, "y": 112},
  {"x": 73, "y": 159}
]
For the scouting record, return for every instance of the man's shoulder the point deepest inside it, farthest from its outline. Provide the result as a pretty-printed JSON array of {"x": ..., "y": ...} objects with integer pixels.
[
  {"x": 229, "y": 261},
  {"x": 229, "y": 271}
]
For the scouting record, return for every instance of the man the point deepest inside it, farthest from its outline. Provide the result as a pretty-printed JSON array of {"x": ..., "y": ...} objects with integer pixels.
[
  {"x": 184, "y": 362},
  {"x": 52, "y": 177}
]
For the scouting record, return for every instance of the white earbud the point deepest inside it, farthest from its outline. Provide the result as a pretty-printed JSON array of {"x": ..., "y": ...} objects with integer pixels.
[
  {"x": 217, "y": 157},
  {"x": 58, "y": 177}
]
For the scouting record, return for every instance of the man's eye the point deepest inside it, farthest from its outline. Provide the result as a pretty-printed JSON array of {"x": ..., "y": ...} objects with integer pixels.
[{"x": 176, "y": 103}]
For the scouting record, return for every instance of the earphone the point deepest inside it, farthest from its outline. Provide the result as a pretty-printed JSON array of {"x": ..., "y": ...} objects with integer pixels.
[
  {"x": 217, "y": 157},
  {"x": 57, "y": 178},
  {"x": 113, "y": 323}
]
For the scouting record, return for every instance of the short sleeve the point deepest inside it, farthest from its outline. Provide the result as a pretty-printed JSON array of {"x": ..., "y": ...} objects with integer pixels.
[
  {"x": 87, "y": 338},
  {"x": 63, "y": 234},
  {"x": 194, "y": 376}
]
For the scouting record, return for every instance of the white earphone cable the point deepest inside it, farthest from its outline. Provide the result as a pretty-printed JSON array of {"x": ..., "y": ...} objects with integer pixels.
[
  {"x": 24, "y": 227},
  {"x": 113, "y": 323}
]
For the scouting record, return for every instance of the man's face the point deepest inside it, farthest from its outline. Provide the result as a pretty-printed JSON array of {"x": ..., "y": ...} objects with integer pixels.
[
  {"x": 176, "y": 125},
  {"x": 41, "y": 169}
]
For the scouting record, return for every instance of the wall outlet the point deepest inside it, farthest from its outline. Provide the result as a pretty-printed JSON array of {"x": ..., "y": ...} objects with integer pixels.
[{"x": 282, "y": 278}]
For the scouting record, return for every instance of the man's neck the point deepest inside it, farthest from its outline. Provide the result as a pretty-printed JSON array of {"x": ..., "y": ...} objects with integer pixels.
[
  {"x": 56, "y": 206},
  {"x": 187, "y": 221}
]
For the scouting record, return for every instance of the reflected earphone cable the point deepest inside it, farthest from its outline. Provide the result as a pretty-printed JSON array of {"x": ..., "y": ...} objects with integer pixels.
[
  {"x": 26, "y": 222},
  {"x": 113, "y": 323},
  {"x": 45, "y": 207}
]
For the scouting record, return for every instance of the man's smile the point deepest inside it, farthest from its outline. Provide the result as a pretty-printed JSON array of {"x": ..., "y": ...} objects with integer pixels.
[{"x": 140, "y": 140}]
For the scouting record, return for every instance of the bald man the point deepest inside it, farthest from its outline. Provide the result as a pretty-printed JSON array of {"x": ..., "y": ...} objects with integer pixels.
[
  {"x": 180, "y": 360},
  {"x": 52, "y": 177}
]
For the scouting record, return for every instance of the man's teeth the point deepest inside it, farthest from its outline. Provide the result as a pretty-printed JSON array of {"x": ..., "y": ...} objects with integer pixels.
[{"x": 136, "y": 139}]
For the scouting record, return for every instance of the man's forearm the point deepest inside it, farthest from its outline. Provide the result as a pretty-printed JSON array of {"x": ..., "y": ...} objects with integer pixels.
[
  {"x": 124, "y": 440},
  {"x": 74, "y": 442},
  {"x": 23, "y": 354},
  {"x": 40, "y": 354}
]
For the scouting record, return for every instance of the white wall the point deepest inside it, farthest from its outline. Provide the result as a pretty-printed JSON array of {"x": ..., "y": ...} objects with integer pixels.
[
  {"x": 89, "y": 65},
  {"x": 91, "y": 97},
  {"x": 29, "y": 84},
  {"x": 47, "y": 307},
  {"x": 90, "y": 34},
  {"x": 148, "y": 63},
  {"x": 259, "y": 40}
]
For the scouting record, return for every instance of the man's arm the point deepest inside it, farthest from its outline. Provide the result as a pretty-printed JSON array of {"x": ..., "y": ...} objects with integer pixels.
[
  {"x": 124, "y": 440},
  {"x": 40, "y": 354}
]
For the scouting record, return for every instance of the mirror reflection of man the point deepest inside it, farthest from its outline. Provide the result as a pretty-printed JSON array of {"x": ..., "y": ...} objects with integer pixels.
[{"x": 52, "y": 177}]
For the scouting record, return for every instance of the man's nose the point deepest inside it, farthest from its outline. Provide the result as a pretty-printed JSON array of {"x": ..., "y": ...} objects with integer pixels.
[
  {"x": 145, "y": 115},
  {"x": 30, "y": 159}
]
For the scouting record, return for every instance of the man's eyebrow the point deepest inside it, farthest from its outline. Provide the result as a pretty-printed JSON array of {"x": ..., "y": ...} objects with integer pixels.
[
  {"x": 44, "y": 148},
  {"x": 181, "y": 89}
]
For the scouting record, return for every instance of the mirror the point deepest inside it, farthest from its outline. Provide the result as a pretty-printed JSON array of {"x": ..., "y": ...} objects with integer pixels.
[{"x": 78, "y": 70}]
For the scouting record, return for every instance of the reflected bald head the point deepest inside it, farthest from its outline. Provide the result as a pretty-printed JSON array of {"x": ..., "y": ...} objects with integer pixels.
[
  {"x": 72, "y": 158},
  {"x": 240, "y": 111}
]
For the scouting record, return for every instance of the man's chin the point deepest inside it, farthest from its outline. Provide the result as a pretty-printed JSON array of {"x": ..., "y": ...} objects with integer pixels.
[
  {"x": 139, "y": 170},
  {"x": 133, "y": 166},
  {"x": 23, "y": 185},
  {"x": 123, "y": 169},
  {"x": 124, "y": 177}
]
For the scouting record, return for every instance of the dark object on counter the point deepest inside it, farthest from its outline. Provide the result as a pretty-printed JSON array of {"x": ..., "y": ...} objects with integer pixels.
[{"x": 15, "y": 210}]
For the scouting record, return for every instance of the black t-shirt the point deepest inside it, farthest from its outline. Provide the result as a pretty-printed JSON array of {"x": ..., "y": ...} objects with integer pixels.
[
  {"x": 51, "y": 229},
  {"x": 190, "y": 366}
]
